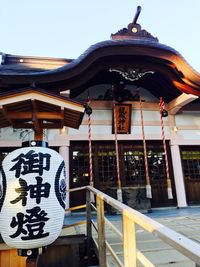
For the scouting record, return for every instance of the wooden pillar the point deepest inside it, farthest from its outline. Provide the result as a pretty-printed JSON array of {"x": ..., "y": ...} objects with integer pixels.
[
  {"x": 130, "y": 257},
  {"x": 89, "y": 225},
  {"x": 38, "y": 135},
  {"x": 31, "y": 262},
  {"x": 178, "y": 176},
  {"x": 101, "y": 232}
]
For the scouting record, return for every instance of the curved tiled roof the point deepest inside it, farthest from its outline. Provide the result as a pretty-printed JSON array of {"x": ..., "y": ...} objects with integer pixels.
[
  {"x": 131, "y": 48},
  {"x": 101, "y": 56}
]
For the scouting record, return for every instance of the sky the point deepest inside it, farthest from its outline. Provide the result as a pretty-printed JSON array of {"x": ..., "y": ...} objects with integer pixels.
[{"x": 66, "y": 28}]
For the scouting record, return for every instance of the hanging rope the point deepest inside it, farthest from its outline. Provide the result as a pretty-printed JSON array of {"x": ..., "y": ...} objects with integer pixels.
[
  {"x": 148, "y": 185},
  {"x": 163, "y": 113},
  {"x": 88, "y": 111},
  {"x": 119, "y": 189}
]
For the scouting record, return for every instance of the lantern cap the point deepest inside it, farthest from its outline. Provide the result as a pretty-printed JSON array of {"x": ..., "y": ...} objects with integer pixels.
[
  {"x": 31, "y": 253},
  {"x": 34, "y": 143}
]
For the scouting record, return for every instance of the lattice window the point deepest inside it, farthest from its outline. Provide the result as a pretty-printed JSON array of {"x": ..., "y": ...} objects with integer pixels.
[
  {"x": 156, "y": 162},
  {"x": 80, "y": 167},
  {"x": 191, "y": 163},
  {"x": 134, "y": 166},
  {"x": 134, "y": 170},
  {"x": 106, "y": 162}
]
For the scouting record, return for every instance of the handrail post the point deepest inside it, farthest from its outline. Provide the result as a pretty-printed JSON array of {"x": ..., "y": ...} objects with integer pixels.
[
  {"x": 101, "y": 231},
  {"x": 89, "y": 224},
  {"x": 129, "y": 241}
]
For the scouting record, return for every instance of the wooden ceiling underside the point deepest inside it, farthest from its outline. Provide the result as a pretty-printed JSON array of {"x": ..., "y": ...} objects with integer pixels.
[{"x": 36, "y": 114}]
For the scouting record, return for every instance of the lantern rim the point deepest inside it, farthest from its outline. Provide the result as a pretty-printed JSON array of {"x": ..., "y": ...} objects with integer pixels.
[{"x": 34, "y": 143}]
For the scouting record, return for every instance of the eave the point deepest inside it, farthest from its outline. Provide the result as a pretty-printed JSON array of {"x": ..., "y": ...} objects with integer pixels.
[
  {"x": 36, "y": 109},
  {"x": 99, "y": 58}
]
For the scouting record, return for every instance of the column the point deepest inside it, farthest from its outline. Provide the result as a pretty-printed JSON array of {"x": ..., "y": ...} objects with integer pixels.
[
  {"x": 178, "y": 176},
  {"x": 64, "y": 152}
]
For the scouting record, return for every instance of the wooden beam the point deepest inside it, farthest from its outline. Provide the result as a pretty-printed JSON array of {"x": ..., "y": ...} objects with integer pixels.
[
  {"x": 175, "y": 105},
  {"x": 36, "y": 123},
  {"x": 101, "y": 231},
  {"x": 38, "y": 130},
  {"x": 38, "y": 136},
  {"x": 27, "y": 125},
  {"x": 39, "y": 96},
  {"x": 62, "y": 120},
  {"x": 24, "y": 125},
  {"x": 186, "y": 88},
  {"x": 3, "y": 110},
  {"x": 40, "y": 115},
  {"x": 19, "y": 115},
  {"x": 55, "y": 125}
]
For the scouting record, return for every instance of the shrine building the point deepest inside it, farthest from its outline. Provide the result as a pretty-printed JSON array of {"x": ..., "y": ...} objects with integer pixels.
[{"x": 133, "y": 99}]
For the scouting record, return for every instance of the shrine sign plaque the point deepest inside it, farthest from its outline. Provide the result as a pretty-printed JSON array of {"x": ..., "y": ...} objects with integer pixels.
[{"x": 123, "y": 118}]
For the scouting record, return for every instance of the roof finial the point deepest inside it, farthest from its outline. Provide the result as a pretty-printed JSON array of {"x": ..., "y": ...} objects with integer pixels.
[
  {"x": 134, "y": 31},
  {"x": 138, "y": 11}
]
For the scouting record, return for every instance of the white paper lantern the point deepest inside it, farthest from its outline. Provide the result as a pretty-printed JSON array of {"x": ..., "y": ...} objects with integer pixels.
[{"x": 32, "y": 197}]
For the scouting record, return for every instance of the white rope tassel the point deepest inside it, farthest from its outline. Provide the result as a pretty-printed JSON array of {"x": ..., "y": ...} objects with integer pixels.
[
  {"x": 169, "y": 192},
  {"x": 169, "y": 189},
  {"x": 92, "y": 199},
  {"x": 119, "y": 195},
  {"x": 148, "y": 191}
]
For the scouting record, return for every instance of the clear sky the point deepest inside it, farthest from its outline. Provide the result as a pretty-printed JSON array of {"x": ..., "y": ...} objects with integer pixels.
[{"x": 66, "y": 28}]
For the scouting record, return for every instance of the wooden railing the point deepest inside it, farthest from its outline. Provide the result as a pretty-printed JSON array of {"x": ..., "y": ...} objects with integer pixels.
[{"x": 130, "y": 218}]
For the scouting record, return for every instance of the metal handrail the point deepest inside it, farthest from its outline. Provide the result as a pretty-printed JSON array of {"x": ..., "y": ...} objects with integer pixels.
[{"x": 130, "y": 218}]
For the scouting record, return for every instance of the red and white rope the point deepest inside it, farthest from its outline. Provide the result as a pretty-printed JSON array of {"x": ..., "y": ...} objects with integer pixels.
[
  {"x": 144, "y": 142},
  {"x": 162, "y": 106},
  {"x": 92, "y": 199},
  {"x": 163, "y": 137},
  {"x": 90, "y": 150},
  {"x": 116, "y": 147},
  {"x": 148, "y": 187}
]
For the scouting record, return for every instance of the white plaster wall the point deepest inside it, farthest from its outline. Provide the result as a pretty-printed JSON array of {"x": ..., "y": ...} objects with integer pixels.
[
  {"x": 147, "y": 115},
  {"x": 188, "y": 118},
  {"x": 8, "y": 133},
  {"x": 187, "y": 123},
  {"x": 100, "y": 115},
  {"x": 135, "y": 115},
  {"x": 189, "y": 134},
  {"x": 149, "y": 131},
  {"x": 105, "y": 116},
  {"x": 97, "y": 129}
]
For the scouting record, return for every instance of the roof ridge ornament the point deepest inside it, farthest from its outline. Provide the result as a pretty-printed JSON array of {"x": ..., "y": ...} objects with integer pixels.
[
  {"x": 137, "y": 13},
  {"x": 134, "y": 31}
]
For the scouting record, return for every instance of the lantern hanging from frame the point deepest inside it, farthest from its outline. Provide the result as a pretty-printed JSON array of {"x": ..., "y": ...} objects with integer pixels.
[{"x": 32, "y": 203}]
